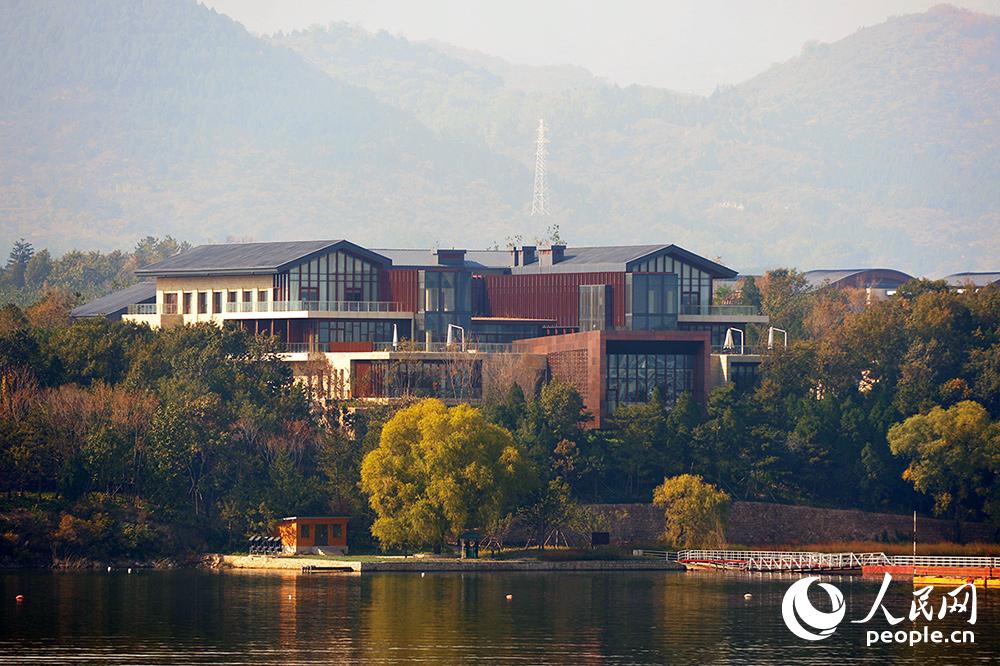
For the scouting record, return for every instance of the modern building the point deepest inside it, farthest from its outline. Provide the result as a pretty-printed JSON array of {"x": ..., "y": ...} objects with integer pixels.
[
  {"x": 878, "y": 283},
  {"x": 615, "y": 322},
  {"x": 974, "y": 281}
]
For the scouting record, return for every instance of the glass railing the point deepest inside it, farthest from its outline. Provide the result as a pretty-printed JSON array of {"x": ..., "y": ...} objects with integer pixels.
[
  {"x": 443, "y": 347},
  {"x": 142, "y": 309},
  {"x": 726, "y": 310},
  {"x": 735, "y": 349},
  {"x": 312, "y": 306}
]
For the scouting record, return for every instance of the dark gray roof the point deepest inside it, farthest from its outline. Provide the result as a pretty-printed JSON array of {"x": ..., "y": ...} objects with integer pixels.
[
  {"x": 976, "y": 279},
  {"x": 246, "y": 258},
  {"x": 267, "y": 258},
  {"x": 616, "y": 258},
  {"x": 117, "y": 301},
  {"x": 420, "y": 258},
  {"x": 879, "y": 278}
]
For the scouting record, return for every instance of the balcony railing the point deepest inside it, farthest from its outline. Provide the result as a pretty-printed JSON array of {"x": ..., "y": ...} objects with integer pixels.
[
  {"x": 724, "y": 310},
  {"x": 443, "y": 347},
  {"x": 142, "y": 309},
  {"x": 735, "y": 349},
  {"x": 312, "y": 306}
]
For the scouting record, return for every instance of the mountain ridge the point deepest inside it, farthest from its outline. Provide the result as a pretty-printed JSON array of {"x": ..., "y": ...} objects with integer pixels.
[{"x": 875, "y": 149}]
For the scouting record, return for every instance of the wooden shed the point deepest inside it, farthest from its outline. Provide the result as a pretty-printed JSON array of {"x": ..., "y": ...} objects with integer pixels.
[{"x": 319, "y": 535}]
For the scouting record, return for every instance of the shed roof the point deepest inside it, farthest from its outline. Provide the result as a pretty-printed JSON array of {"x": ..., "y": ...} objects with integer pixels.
[{"x": 116, "y": 301}]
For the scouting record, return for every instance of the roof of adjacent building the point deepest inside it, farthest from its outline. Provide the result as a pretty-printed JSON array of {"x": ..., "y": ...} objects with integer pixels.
[
  {"x": 116, "y": 301},
  {"x": 269, "y": 258},
  {"x": 248, "y": 258},
  {"x": 976, "y": 279},
  {"x": 878, "y": 278}
]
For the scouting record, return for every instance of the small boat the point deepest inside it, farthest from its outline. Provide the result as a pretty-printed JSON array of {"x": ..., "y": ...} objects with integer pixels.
[{"x": 955, "y": 581}]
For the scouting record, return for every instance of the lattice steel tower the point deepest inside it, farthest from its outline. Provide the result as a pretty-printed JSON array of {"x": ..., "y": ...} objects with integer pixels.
[{"x": 540, "y": 200}]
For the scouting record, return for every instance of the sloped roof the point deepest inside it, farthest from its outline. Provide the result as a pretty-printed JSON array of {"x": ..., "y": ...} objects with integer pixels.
[
  {"x": 116, "y": 301},
  {"x": 879, "y": 278},
  {"x": 976, "y": 279},
  {"x": 616, "y": 258},
  {"x": 408, "y": 258},
  {"x": 247, "y": 258}
]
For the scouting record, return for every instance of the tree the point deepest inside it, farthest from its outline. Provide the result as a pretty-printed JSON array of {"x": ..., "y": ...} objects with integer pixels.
[
  {"x": 954, "y": 456},
  {"x": 696, "y": 512},
  {"x": 17, "y": 263},
  {"x": 749, "y": 293},
  {"x": 440, "y": 469}
]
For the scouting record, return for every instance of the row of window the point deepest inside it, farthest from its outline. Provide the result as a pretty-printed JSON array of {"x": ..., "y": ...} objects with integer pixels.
[
  {"x": 197, "y": 302},
  {"x": 632, "y": 378},
  {"x": 332, "y": 277}
]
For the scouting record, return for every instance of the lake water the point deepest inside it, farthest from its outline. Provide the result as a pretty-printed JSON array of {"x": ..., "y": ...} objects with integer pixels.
[{"x": 578, "y": 618}]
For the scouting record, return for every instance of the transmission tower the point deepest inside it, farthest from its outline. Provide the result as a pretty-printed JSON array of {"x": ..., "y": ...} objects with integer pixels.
[{"x": 540, "y": 200}]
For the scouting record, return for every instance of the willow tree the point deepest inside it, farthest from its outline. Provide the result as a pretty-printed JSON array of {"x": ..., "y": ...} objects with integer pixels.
[
  {"x": 696, "y": 511},
  {"x": 439, "y": 469}
]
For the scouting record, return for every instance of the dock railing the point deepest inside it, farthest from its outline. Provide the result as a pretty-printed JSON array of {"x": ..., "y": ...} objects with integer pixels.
[{"x": 766, "y": 560}]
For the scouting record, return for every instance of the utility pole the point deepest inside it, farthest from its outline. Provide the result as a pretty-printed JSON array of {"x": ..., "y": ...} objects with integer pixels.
[{"x": 540, "y": 199}]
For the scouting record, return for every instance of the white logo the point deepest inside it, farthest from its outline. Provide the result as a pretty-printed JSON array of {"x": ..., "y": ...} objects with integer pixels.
[{"x": 797, "y": 610}]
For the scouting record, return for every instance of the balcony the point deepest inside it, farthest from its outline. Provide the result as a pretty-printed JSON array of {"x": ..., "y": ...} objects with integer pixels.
[
  {"x": 311, "y": 306},
  {"x": 403, "y": 347},
  {"x": 720, "y": 310},
  {"x": 721, "y": 314}
]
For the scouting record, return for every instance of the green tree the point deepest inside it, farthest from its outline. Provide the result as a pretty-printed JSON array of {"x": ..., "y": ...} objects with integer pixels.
[
  {"x": 438, "y": 469},
  {"x": 953, "y": 455},
  {"x": 695, "y": 511},
  {"x": 17, "y": 263}
]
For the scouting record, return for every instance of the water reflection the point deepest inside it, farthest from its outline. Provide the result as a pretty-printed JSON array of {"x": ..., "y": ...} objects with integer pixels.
[{"x": 239, "y": 617}]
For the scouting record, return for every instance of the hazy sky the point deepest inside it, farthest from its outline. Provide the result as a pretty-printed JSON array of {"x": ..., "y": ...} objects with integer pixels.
[{"x": 684, "y": 45}]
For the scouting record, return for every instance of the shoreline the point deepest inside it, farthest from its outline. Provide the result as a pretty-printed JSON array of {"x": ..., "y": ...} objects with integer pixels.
[{"x": 413, "y": 565}]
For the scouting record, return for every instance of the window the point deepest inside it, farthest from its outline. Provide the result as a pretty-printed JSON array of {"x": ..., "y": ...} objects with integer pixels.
[
  {"x": 358, "y": 330},
  {"x": 631, "y": 378},
  {"x": 595, "y": 300},
  {"x": 337, "y": 276},
  {"x": 247, "y": 296},
  {"x": 262, "y": 295},
  {"x": 232, "y": 296},
  {"x": 202, "y": 302},
  {"x": 187, "y": 302},
  {"x": 444, "y": 298},
  {"x": 456, "y": 379},
  {"x": 304, "y": 531},
  {"x": 216, "y": 302},
  {"x": 170, "y": 303},
  {"x": 650, "y": 301},
  {"x": 337, "y": 530}
]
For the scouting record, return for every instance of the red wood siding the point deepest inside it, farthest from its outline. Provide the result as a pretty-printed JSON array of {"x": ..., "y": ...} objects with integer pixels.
[
  {"x": 549, "y": 296},
  {"x": 402, "y": 284}
]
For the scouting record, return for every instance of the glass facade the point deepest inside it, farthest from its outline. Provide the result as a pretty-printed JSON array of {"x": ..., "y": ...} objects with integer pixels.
[
  {"x": 448, "y": 379},
  {"x": 650, "y": 302},
  {"x": 695, "y": 285},
  {"x": 718, "y": 332},
  {"x": 444, "y": 298},
  {"x": 333, "y": 277},
  {"x": 631, "y": 378},
  {"x": 595, "y": 307},
  {"x": 504, "y": 332},
  {"x": 358, "y": 330}
]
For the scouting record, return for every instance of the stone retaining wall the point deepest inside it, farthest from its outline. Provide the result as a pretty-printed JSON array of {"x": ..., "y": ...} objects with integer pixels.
[
  {"x": 428, "y": 565},
  {"x": 765, "y": 524}
]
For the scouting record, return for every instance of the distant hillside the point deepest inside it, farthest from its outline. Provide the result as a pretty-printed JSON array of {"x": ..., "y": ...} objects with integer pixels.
[
  {"x": 125, "y": 119},
  {"x": 878, "y": 149},
  {"x": 122, "y": 118}
]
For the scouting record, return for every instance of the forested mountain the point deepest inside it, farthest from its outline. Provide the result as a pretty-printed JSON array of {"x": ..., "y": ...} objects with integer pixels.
[{"x": 125, "y": 119}]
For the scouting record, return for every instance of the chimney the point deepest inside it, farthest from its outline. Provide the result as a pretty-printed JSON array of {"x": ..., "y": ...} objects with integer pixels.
[
  {"x": 551, "y": 255},
  {"x": 522, "y": 256}
]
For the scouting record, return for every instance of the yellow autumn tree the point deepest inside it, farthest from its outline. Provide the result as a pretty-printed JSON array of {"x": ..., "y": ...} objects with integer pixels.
[
  {"x": 439, "y": 469},
  {"x": 696, "y": 512}
]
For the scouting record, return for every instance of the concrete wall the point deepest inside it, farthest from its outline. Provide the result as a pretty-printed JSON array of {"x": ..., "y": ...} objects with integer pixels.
[{"x": 764, "y": 524}]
